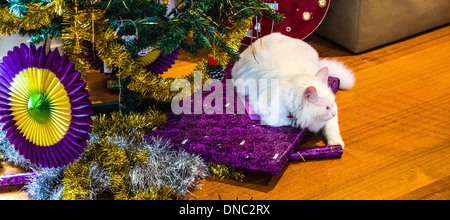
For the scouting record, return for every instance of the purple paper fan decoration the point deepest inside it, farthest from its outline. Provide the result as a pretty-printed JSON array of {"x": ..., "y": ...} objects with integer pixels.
[
  {"x": 44, "y": 106},
  {"x": 160, "y": 65},
  {"x": 90, "y": 55},
  {"x": 163, "y": 62}
]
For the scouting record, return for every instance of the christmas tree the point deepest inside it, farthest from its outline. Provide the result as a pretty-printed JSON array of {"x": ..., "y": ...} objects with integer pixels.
[{"x": 120, "y": 29}]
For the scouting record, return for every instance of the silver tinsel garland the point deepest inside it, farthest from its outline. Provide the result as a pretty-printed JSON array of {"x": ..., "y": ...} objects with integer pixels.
[
  {"x": 165, "y": 166},
  {"x": 46, "y": 184}
]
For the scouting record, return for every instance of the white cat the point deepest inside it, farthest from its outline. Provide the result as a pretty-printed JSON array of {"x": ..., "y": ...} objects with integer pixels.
[{"x": 303, "y": 98}]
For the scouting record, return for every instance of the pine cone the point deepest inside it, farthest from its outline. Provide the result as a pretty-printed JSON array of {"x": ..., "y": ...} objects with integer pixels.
[{"x": 215, "y": 71}]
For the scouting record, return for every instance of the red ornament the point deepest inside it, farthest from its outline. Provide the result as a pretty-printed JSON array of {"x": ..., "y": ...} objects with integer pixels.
[
  {"x": 227, "y": 23},
  {"x": 212, "y": 61},
  {"x": 302, "y": 19}
]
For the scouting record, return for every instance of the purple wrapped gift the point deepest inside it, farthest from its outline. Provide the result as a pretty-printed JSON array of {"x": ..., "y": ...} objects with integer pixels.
[
  {"x": 16, "y": 179},
  {"x": 234, "y": 139},
  {"x": 309, "y": 153}
]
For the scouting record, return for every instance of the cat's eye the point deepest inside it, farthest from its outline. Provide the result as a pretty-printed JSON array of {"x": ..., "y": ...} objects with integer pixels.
[{"x": 328, "y": 107}]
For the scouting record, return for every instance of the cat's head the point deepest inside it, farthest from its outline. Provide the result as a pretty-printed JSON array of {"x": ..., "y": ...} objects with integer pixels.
[{"x": 318, "y": 102}]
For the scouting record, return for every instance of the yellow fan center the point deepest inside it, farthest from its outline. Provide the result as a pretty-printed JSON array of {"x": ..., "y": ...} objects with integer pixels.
[
  {"x": 40, "y": 106},
  {"x": 149, "y": 57}
]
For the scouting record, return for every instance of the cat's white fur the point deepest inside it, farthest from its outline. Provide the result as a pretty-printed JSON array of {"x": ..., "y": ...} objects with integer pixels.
[{"x": 303, "y": 89}]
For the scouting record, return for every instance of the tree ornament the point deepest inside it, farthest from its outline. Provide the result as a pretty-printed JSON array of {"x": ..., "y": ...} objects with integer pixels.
[
  {"x": 156, "y": 62},
  {"x": 212, "y": 61},
  {"x": 215, "y": 71},
  {"x": 302, "y": 19},
  {"x": 90, "y": 54},
  {"x": 44, "y": 106}
]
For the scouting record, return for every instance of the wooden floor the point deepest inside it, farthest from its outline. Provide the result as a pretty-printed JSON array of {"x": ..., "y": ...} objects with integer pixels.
[{"x": 395, "y": 123}]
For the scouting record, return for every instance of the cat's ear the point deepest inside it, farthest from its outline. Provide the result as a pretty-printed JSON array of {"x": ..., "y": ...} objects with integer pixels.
[
  {"x": 310, "y": 94},
  {"x": 322, "y": 75}
]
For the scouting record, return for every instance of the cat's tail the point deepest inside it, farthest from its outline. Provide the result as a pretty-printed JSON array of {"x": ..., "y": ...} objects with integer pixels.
[{"x": 339, "y": 70}]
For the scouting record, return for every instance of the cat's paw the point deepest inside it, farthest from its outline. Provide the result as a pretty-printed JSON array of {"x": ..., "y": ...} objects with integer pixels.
[{"x": 336, "y": 141}]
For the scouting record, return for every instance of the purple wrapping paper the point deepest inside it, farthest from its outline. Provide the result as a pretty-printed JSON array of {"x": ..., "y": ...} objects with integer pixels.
[
  {"x": 233, "y": 139},
  {"x": 158, "y": 66},
  {"x": 309, "y": 153},
  {"x": 16, "y": 179}
]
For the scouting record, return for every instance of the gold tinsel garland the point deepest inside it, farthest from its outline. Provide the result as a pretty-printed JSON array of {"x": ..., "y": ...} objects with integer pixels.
[
  {"x": 142, "y": 81},
  {"x": 118, "y": 160},
  {"x": 113, "y": 158},
  {"x": 77, "y": 26},
  {"x": 36, "y": 17}
]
